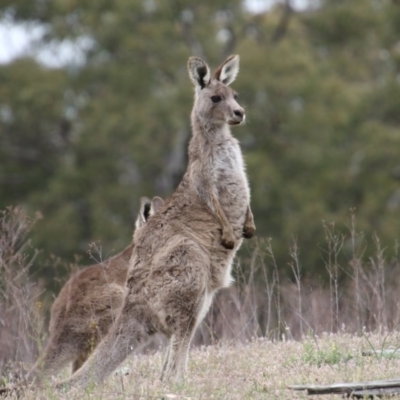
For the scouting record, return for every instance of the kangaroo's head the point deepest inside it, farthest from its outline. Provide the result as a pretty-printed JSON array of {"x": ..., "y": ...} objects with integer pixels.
[
  {"x": 215, "y": 102},
  {"x": 147, "y": 209}
]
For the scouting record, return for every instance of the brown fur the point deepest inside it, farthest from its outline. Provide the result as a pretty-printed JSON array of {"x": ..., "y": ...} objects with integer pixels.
[
  {"x": 183, "y": 255},
  {"x": 86, "y": 307}
]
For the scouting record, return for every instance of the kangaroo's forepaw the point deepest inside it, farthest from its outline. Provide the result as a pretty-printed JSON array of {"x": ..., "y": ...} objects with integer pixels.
[
  {"x": 228, "y": 242},
  {"x": 248, "y": 231}
]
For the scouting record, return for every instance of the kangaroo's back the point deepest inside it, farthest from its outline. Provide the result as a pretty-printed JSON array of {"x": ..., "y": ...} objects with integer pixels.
[{"x": 96, "y": 293}]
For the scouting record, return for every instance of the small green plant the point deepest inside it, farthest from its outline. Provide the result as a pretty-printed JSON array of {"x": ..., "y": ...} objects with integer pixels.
[{"x": 328, "y": 355}]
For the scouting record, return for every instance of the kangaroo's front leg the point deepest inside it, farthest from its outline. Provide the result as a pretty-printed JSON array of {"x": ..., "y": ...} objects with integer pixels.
[
  {"x": 228, "y": 237},
  {"x": 206, "y": 192},
  {"x": 249, "y": 227}
]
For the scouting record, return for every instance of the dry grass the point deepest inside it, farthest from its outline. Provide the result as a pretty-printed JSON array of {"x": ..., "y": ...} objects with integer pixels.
[
  {"x": 263, "y": 303},
  {"x": 260, "y": 369},
  {"x": 21, "y": 317}
]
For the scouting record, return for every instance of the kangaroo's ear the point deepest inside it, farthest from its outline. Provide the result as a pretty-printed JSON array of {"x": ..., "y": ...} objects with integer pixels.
[
  {"x": 156, "y": 204},
  {"x": 227, "y": 72},
  {"x": 144, "y": 212},
  {"x": 199, "y": 72}
]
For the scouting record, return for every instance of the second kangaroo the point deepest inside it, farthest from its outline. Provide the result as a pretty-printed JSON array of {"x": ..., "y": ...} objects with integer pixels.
[
  {"x": 85, "y": 309},
  {"x": 183, "y": 255}
]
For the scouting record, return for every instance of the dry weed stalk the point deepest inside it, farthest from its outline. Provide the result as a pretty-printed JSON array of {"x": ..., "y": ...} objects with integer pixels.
[
  {"x": 357, "y": 251},
  {"x": 21, "y": 322},
  {"x": 296, "y": 269},
  {"x": 335, "y": 245},
  {"x": 366, "y": 301}
]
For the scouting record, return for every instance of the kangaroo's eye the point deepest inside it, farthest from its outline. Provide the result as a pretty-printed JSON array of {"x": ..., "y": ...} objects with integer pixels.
[
  {"x": 216, "y": 99},
  {"x": 235, "y": 96}
]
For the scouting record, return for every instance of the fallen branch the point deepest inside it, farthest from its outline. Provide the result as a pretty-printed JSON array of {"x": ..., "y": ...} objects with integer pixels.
[{"x": 353, "y": 388}]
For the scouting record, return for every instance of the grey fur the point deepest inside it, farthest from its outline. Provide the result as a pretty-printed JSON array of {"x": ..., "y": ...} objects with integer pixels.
[{"x": 183, "y": 255}]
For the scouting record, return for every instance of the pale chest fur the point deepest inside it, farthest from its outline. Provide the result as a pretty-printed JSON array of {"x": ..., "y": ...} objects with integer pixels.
[{"x": 230, "y": 180}]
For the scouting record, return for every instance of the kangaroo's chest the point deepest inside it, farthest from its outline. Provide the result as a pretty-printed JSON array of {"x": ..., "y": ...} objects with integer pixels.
[
  {"x": 229, "y": 166},
  {"x": 230, "y": 178}
]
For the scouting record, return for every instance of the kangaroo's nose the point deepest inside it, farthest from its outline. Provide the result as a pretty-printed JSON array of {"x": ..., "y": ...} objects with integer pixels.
[{"x": 239, "y": 113}]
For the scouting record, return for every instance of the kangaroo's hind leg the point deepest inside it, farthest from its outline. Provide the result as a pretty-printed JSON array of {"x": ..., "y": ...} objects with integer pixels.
[
  {"x": 126, "y": 334},
  {"x": 60, "y": 351},
  {"x": 185, "y": 303},
  {"x": 92, "y": 337},
  {"x": 80, "y": 360},
  {"x": 175, "y": 364}
]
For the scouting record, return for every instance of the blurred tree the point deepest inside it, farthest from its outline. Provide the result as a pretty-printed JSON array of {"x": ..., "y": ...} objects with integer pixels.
[
  {"x": 324, "y": 132},
  {"x": 321, "y": 89},
  {"x": 128, "y": 108},
  {"x": 33, "y": 128}
]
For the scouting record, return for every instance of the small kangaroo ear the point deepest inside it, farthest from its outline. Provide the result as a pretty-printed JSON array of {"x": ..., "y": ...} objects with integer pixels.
[
  {"x": 144, "y": 212},
  {"x": 228, "y": 70},
  {"x": 156, "y": 204},
  {"x": 199, "y": 72}
]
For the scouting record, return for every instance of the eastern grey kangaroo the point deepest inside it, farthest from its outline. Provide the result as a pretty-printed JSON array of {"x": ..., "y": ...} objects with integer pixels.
[
  {"x": 183, "y": 254},
  {"x": 86, "y": 306}
]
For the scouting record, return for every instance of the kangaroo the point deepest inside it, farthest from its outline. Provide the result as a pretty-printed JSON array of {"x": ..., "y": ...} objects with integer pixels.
[
  {"x": 86, "y": 307},
  {"x": 183, "y": 254}
]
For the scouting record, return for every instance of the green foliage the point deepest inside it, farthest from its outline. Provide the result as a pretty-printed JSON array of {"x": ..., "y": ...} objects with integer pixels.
[
  {"x": 321, "y": 88},
  {"x": 330, "y": 354},
  {"x": 31, "y": 126}
]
